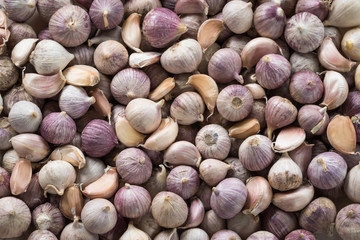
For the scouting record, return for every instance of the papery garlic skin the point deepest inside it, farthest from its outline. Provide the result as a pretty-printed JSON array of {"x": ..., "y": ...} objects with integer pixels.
[
  {"x": 48, "y": 217},
  {"x": 235, "y": 12},
  {"x": 182, "y": 153}
]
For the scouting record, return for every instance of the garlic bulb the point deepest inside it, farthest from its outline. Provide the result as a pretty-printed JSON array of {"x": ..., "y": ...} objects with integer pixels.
[
  {"x": 350, "y": 44},
  {"x": 25, "y": 116},
  {"x": 30, "y": 146},
  {"x": 235, "y": 12},
  {"x": 93, "y": 170},
  {"x": 76, "y": 230},
  {"x": 134, "y": 233},
  {"x": 342, "y": 14}
]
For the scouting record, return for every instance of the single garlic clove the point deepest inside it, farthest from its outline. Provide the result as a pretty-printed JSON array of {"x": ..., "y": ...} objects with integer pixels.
[
  {"x": 21, "y": 52},
  {"x": 259, "y": 195},
  {"x": 256, "y": 90},
  {"x": 70, "y": 154},
  {"x": 350, "y": 44},
  {"x": 163, "y": 89},
  {"x": 245, "y": 128},
  {"x": 342, "y": 14},
  {"x": 336, "y": 90},
  {"x": 41, "y": 86},
  {"x": 196, "y": 214},
  {"x": 106, "y": 14},
  {"x": 212, "y": 171},
  {"x": 101, "y": 104},
  {"x": 93, "y": 170},
  {"x": 134, "y": 233},
  {"x": 126, "y": 134},
  {"x": 105, "y": 186},
  {"x": 235, "y": 12},
  {"x": 20, "y": 176},
  {"x": 269, "y": 20},
  {"x": 191, "y": 7},
  {"x": 341, "y": 134},
  {"x": 207, "y": 88},
  {"x": 182, "y": 153},
  {"x": 131, "y": 32},
  {"x": 30, "y": 146},
  {"x": 72, "y": 202},
  {"x": 209, "y": 31},
  {"x": 140, "y": 60},
  {"x": 288, "y": 139},
  {"x": 187, "y": 108},
  {"x": 82, "y": 76}
]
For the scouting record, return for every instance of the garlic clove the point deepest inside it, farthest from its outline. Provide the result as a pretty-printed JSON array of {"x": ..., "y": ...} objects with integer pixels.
[
  {"x": 134, "y": 233},
  {"x": 256, "y": 90},
  {"x": 163, "y": 89},
  {"x": 350, "y": 44},
  {"x": 235, "y": 12},
  {"x": 20, "y": 176},
  {"x": 70, "y": 154},
  {"x": 105, "y": 186},
  {"x": 126, "y": 134},
  {"x": 22, "y": 50},
  {"x": 336, "y": 90},
  {"x": 41, "y": 86},
  {"x": 341, "y": 134},
  {"x": 30, "y": 146},
  {"x": 144, "y": 59},
  {"x": 259, "y": 195},
  {"x": 187, "y": 108},
  {"x": 131, "y": 32},
  {"x": 288, "y": 139},
  {"x": 357, "y": 78},
  {"x": 212, "y": 171},
  {"x": 209, "y": 31},
  {"x": 342, "y": 14},
  {"x": 168, "y": 235},
  {"x": 191, "y": 7},
  {"x": 331, "y": 58},
  {"x": 182, "y": 153},
  {"x": 101, "y": 104},
  {"x": 164, "y": 136},
  {"x": 72, "y": 202},
  {"x": 207, "y": 88},
  {"x": 196, "y": 214},
  {"x": 245, "y": 128},
  {"x": 82, "y": 76}
]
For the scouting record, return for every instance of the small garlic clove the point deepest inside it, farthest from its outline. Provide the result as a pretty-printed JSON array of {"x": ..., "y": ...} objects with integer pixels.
[
  {"x": 140, "y": 60},
  {"x": 30, "y": 146},
  {"x": 191, "y": 7},
  {"x": 245, "y": 128},
  {"x": 256, "y": 90},
  {"x": 259, "y": 195},
  {"x": 350, "y": 44},
  {"x": 209, "y": 31},
  {"x": 131, "y": 32},
  {"x": 207, "y": 88},
  {"x": 101, "y": 104},
  {"x": 288, "y": 139},
  {"x": 72, "y": 202},
  {"x": 164, "y": 136},
  {"x": 82, "y": 76},
  {"x": 336, "y": 90},
  {"x": 341, "y": 134},
  {"x": 330, "y": 57},
  {"x": 163, "y": 89},
  {"x": 196, "y": 214},
  {"x": 105, "y": 186},
  {"x": 70, "y": 154},
  {"x": 20, "y": 176},
  {"x": 182, "y": 153},
  {"x": 126, "y": 134},
  {"x": 22, "y": 50},
  {"x": 41, "y": 86},
  {"x": 212, "y": 171}
]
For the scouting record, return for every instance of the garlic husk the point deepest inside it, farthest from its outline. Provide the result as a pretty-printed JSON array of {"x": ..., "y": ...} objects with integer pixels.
[
  {"x": 269, "y": 20},
  {"x": 194, "y": 233},
  {"x": 25, "y": 117},
  {"x": 285, "y": 174},
  {"x": 162, "y": 89},
  {"x": 30, "y": 146},
  {"x": 182, "y": 153},
  {"x": 213, "y": 171},
  {"x": 41, "y": 86},
  {"x": 336, "y": 90},
  {"x": 168, "y": 235},
  {"x": 288, "y": 139},
  {"x": 350, "y": 44},
  {"x": 259, "y": 195},
  {"x": 209, "y": 31},
  {"x": 49, "y": 57},
  {"x": 294, "y": 200},
  {"x": 157, "y": 181},
  {"x": 134, "y": 233},
  {"x": 342, "y": 14},
  {"x": 9, "y": 73},
  {"x": 76, "y": 230},
  {"x": 244, "y": 224},
  {"x": 56, "y": 176},
  {"x": 72, "y": 202},
  {"x": 93, "y": 170},
  {"x": 304, "y": 61},
  {"x": 131, "y": 32},
  {"x": 245, "y": 128},
  {"x": 20, "y": 176},
  {"x": 341, "y": 134},
  {"x": 330, "y": 57},
  {"x": 141, "y": 60},
  {"x": 126, "y": 134},
  {"x": 21, "y": 52},
  {"x": 48, "y": 217},
  {"x": 6, "y": 133},
  {"x": 81, "y": 76},
  {"x": 188, "y": 108},
  {"x": 212, "y": 222},
  {"x": 235, "y": 12}
]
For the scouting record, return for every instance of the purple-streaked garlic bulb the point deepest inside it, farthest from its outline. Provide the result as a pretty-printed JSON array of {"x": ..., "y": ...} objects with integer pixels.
[
  {"x": 6, "y": 133},
  {"x": 319, "y": 8},
  {"x": 106, "y": 14},
  {"x": 46, "y": 8},
  {"x": 98, "y": 138},
  {"x": 306, "y": 87},
  {"x": 30, "y": 146},
  {"x": 225, "y": 234},
  {"x": 262, "y": 235},
  {"x": 237, "y": 43},
  {"x": 134, "y": 166},
  {"x": 58, "y": 128},
  {"x": 272, "y": 71},
  {"x": 304, "y": 32},
  {"x": 4, "y": 183},
  {"x": 225, "y": 194},
  {"x": 129, "y": 84},
  {"x": 42, "y": 235},
  {"x": 184, "y": 181},
  {"x": 188, "y": 108},
  {"x": 213, "y": 141},
  {"x": 20, "y": 10},
  {"x": 182, "y": 153},
  {"x": 269, "y": 20},
  {"x": 235, "y": 102},
  {"x": 347, "y": 223},
  {"x": 132, "y": 201},
  {"x": 351, "y": 106},
  {"x": 244, "y": 224},
  {"x": 351, "y": 186},
  {"x": 70, "y": 26},
  {"x": 225, "y": 65},
  {"x": 300, "y": 234},
  {"x": 162, "y": 27},
  {"x": 48, "y": 217},
  {"x": 313, "y": 119},
  {"x": 76, "y": 230}
]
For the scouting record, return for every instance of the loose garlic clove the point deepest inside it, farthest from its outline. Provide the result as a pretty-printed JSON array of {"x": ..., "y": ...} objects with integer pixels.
[
  {"x": 187, "y": 108},
  {"x": 105, "y": 186},
  {"x": 70, "y": 154},
  {"x": 196, "y": 214},
  {"x": 191, "y": 7},
  {"x": 331, "y": 58},
  {"x": 163, "y": 89},
  {"x": 256, "y": 90},
  {"x": 209, "y": 31},
  {"x": 259, "y": 195},
  {"x": 182, "y": 153},
  {"x": 343, "y": 14},
  {"x": 245, "y": 128},
  {"x": 141, "y": 60},
  {"x": 126, "y": 134},
  {"x": 41, "y": 86},
  {"x": 101, "y": 104},
  {"x": 164, "y": 136},
  {"x": 336, "y": 90},
  {"x": 72, "y": 202},
  {"x": 207, "y": 88},
  {"x": 212, "y": 171},
  {"x": 288, "y": 139},
  {"x": 20, "y": 176},
  {"x": 341, "y": 134},
  {"x": 350, "y": 44},
  {"x": 30, "y": 146},
  {"x": 131, "y": 32},
  {"x": 82, "y": 76},
  {"x": 22, "y": 50},
  {"x": 235, "y": 12}
]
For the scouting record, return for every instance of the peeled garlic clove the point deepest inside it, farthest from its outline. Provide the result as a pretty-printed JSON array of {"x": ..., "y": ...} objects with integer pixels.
[
  {"x": 41, "y": 86},
  {"x": 140, "y": 60},
  {"x": 350, "y": 44},
  {"x": 209, "y": 31},
  {"x": 212, "y": 171},
  {"x": 20, "y": 176},
  {"x": 336, "y": 90},
  {"x": 259, "y": 195},
  {"x": 163, "y": 89},
  {"x": 126, "y": 134},
  {"x": 288, "y": 139},
  {"x": 255, "y": 49},
  {"x": 72, "y": 202},
  {"x": 245, "y": 128},
  {"x": 187, "y": 108},
  {"x": 30, "y": 146},
  {"x": 331, "y": 58},
  {"x": 342, "y": 14},
  {"x": 70, "y": 154},
  {"x": 21, "y": 52},
  {"x": 235, "y": 12},
  {"x": 207, "y": 88},
  {"x": 134, "y": 233},
  {"x": 182, "y": 153},
  {"x": 81, "y": 76},
  {"x": 131, "y": 32},
  {"x": 105, "y": 186},
  {"x": 49, "y": 57},
  {"x": 341, "y": 134}
]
